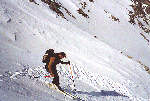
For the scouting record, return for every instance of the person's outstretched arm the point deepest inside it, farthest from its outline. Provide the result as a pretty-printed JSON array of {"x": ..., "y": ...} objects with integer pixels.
[{"x": 65, "y": 62}]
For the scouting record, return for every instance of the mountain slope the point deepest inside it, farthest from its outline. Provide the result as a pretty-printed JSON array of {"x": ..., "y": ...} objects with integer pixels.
[{"x": 101, "y": 72}]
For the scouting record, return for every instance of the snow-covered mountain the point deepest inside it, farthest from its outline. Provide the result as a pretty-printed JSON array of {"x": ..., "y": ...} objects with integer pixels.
[{"x": 107, "y": 43}]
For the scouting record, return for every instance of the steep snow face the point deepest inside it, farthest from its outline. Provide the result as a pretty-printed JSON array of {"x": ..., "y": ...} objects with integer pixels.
[
  {"x": 121, "y": 34},
  {"x": 126, "y": 21},
  {"x": 123, "y": 27},
  {"x": 28, "y": 29}
]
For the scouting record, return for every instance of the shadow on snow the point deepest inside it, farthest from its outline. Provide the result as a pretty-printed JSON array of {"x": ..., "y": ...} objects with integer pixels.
[{"x": 102, "y": 93}]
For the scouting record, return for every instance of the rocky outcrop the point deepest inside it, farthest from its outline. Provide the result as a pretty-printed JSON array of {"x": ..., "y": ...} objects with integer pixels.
[{"x": 140, "y": 14}]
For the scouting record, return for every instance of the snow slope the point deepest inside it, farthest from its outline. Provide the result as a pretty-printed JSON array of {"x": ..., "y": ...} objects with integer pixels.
[{"x": 101, "y": 72}]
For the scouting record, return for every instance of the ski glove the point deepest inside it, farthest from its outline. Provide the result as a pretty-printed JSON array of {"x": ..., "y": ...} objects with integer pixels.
[{"x": 68, "y": 62}]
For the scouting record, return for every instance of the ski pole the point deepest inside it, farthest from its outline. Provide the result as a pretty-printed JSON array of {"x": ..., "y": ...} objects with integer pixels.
[
  {"x": 71, "y": 72},
  {"x": 72, "y": 76}
]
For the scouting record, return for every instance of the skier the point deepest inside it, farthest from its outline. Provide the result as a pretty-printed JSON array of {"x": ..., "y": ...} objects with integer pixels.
[{"x": 50, "y": 66}]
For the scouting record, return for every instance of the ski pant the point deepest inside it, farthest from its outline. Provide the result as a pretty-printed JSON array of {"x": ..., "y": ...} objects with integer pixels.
[{"x": 56, "y": 77}]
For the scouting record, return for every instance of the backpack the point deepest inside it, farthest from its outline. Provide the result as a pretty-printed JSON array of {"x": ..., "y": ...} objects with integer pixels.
[{"x": 49, "y": 53}]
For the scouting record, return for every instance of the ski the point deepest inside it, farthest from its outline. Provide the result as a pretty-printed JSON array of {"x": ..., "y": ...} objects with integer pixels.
[{"x": 53, "y": 86}]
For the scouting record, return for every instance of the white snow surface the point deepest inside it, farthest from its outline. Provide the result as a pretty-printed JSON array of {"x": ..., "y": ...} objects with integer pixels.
[{"x": 100, "y": 71}]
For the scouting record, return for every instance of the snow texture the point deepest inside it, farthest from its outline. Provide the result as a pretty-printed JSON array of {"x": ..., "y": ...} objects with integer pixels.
[{"x": 100, "y": 71}]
